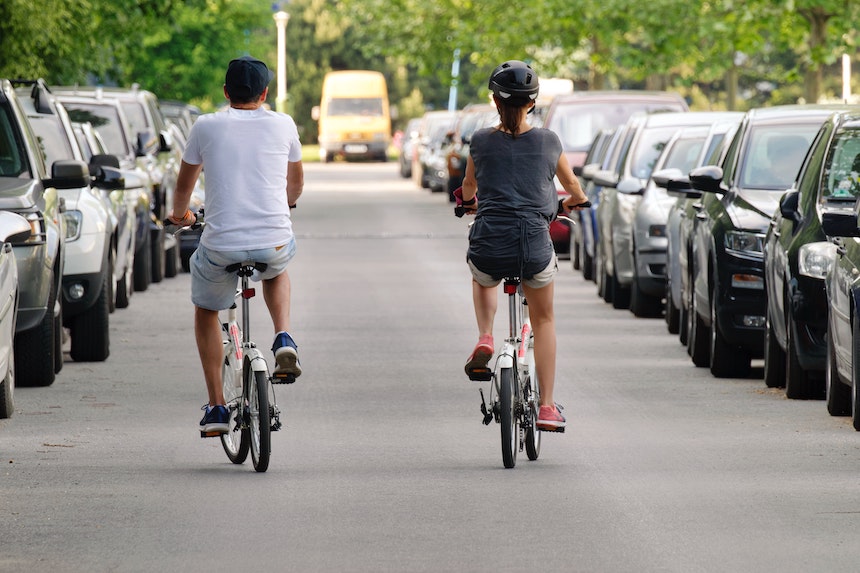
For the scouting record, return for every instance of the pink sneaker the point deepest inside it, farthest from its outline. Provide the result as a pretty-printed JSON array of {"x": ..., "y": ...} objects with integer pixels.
[
  {"x": 550, "y": 419},
  {"x": 477, "y": 363}
]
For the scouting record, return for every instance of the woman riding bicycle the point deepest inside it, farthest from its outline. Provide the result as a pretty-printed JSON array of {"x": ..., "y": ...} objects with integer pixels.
[{"x": 513, "y": 166}]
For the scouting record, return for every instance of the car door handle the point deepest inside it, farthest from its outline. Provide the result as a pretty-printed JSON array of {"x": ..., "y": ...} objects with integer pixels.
[{"x": 701, "y": 216}]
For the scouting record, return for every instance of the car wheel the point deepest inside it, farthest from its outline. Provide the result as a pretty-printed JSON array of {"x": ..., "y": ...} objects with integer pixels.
[
  {"x": 727, "y": 360},
  {"x": 799, "y": 384},
  {"x": 124, "y": 289},
  {"x": 838, "y": 396},
  {"x": 774, "y": 358},
  {"x": 35, "y": 349},
  {"x": 587, "y": 263},
  {"x": 672, "y": 313},
  {"x": 7, "y": 389},
  {"x": 575, "y": 259},
  {"x": 171, "y": 262},
  {"x": 158, "y": 254},
  {"x": 683, "y": 325},
  {"x": 698, "y": 339},
  {"x": 142, "y": 265},
  {"x": 620, "y": 294},
  {"x": 91, "y": 330}
]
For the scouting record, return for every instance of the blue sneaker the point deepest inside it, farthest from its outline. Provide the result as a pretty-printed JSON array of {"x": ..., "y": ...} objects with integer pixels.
[
  {"x": 286, "y": 356},
  {"x": 215, "y": 420}
]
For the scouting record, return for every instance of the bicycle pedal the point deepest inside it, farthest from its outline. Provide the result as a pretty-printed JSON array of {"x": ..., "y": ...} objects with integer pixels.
[
  {"x": 480, "y": 374},
  {"x": 283, "y": 378},
  {"x": 210, "y": 434},
  {"x": 554, "y": 430},
  {"x": 276, "y": 425}
]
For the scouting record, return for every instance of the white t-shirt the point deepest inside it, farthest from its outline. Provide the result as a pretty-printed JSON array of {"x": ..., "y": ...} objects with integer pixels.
[{"x": 245, "y": 155}]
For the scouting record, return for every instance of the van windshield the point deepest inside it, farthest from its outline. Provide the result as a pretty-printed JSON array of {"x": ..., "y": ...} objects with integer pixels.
[{"x": 366, "y": 106}]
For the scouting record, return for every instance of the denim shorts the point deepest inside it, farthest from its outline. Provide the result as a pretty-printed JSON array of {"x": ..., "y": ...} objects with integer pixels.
[
  {"x": 214, "y": 288},
  {"x": 540, "y": 280}
]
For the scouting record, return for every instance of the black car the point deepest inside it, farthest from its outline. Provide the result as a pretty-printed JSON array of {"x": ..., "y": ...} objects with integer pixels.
[
  {"x": 797, "y": 258},
  {"x": 739, "y": 199}
]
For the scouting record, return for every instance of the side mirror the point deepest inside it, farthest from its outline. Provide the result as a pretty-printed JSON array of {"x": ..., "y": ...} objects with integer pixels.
[
  {"x": 605, "y": 178},
  {"x": 109, "y": 178},
  {"x": 661, "y": 178},
  {"x": 589, "y": 170},
  {"x": 839, "y": 224},
  {"x": 69, "y": 174},
  {"x": 630, "y": 186},
  {"x": 577, "y": 170},
  {"x": 788, "y": 206},
  {"x": 165, "y": 142},
  {"x": 707, "y": 179},
  {"x": 13, "y": 227},
  {"x": 147, "y": 143}
]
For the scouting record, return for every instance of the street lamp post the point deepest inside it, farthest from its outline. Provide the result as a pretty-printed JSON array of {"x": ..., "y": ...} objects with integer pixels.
[{"x": 281, "y": 19}]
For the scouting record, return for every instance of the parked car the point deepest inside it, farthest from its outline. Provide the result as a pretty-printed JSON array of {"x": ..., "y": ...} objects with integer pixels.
[
  {"x": 88, "y": 268},
  {"x": 27, "y": 188},
  {"x": 679, "y": 222},
  {"x": 797, "y": 257},
  {"x": 643, "y": 138},
  {"x": 456, "y": 149},
  {"x": 107, "y": 117},
  {"x": 584, "y": 234},
  {"x": 434, "y": 125},
  {"x": 121, "y": 203},
  {"x": 155, "y": 154},
  {"x": 407, "y": 147},
  {"x": 13, "y": 228},
  {"x": 180, "y": 113},
  {"x": 842, "y": 283},
  {"x": 727, "y": 317},
  {"x": 578, "y": 117}
]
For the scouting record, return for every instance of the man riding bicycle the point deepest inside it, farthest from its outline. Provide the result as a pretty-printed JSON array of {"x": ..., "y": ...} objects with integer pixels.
[{"x": 252, "y": 160}]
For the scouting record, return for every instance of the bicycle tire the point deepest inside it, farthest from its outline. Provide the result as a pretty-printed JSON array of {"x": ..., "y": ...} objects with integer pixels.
[
  {"x": 507, "y": 417},
  {"x": 533, "y": 435},
  {"x": 260, "y": 420},
  {"x": 237, "y": 441}
]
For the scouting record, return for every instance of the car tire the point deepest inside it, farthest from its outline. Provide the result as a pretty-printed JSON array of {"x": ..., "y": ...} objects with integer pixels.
[
  {"x": 774, "y": 358},
  {"x": 142, "y": 273},
  {"x": 837, "y": 395},
  {"x": 620, "y": 294},
  {"x": 683, "y": 325},
  {"x": 30, "y": 347},
  {"x": 672, "y": 313},
  {"x": 7, "y": 390},
  {"x": 575, "y": 259},
  {"x": 158, "y": 254},
  {"x": 799, "y": 384},
  {"x": 90, "y": 330},
  {"x": 111, "y": 283},
  {"x": 698, "y": 346},
  {"x": 727, "y": 360},
  {"x": 58, "y": 337},
  {"x": 171, "y": 262},
  {"x": 587, "y": 263},
  {"x": 124, "y": 288}
]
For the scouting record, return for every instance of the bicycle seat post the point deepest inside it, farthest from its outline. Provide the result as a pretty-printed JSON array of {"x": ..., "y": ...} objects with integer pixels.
[{"x": 510, "y": 288}]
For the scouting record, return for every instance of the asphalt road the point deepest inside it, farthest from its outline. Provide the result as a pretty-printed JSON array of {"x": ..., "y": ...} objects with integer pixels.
[{"x": 384, "y": 465}]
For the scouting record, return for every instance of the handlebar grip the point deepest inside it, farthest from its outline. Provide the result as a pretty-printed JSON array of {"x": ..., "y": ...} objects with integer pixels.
[{"x": 459, "y": 211}]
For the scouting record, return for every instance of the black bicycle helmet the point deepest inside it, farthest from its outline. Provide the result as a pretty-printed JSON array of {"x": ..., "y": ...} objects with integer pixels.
[{"x": 514, "y": 82}]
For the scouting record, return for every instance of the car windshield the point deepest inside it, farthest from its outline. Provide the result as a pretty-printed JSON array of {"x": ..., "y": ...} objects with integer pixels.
[
  {"x": 576, "y": 124},
  {"x": 841, "y": 181},
  {"x": 53, "y": 143},
  {"x": 774, "y": 155},
  {"x": 650, "y": 145},
  {"x": 105, "y": 120},
  {"x": 13, "y": 158},
  {"x": 366, "y": 106}
]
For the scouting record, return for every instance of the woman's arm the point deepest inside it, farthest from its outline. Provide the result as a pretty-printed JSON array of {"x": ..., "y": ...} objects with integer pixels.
[{"x": 570, "y": 183}]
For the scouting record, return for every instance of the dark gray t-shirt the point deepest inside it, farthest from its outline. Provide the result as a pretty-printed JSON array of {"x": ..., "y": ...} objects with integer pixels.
[{"x": 517, "y": 199}]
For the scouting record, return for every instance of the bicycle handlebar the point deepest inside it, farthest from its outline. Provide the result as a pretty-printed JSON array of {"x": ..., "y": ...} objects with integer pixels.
[{"x": 459, "y": 210}]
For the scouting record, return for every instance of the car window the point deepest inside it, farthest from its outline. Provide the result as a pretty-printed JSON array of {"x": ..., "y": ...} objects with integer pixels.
[
  {"x": 841, "y": 177},
  {"x": 684, "y": 154},
  {"x": 13, "y": 162},
  {"x": 774, "y": 155},
  {"x": 53, "y": 143},
  {"x": 648, "y": 148},
  {"x": 366, "y": 106},
  {"x": 135, "y": 115},
  {"x": 105, "y": 120}
]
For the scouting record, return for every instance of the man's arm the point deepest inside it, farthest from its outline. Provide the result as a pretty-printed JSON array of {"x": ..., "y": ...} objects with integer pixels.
[
  {"x": 295, "y": 181},
  {"x": 185, "y": 181}
]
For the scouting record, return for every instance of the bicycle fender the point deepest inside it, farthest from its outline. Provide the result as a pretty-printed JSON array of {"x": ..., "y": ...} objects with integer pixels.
[{"x": 505, "y": 361}]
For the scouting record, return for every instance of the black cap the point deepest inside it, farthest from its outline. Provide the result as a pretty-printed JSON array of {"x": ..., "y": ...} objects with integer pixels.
[{"x": 246, "y": 78}]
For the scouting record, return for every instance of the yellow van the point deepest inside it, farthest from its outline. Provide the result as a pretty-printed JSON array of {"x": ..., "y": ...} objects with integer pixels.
[{"x": 354, "y": 118}]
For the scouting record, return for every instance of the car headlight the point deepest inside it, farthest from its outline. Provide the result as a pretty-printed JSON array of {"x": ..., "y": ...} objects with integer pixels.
[
  {"x": 74, "y": 222},
  {"x": 745, "y": 245},
  {"x": 814, "y": 259}
]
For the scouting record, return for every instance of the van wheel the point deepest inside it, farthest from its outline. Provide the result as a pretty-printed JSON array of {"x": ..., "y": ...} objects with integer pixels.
[
  {"x": 90, "y": 330},
  {"x": 35, "y": 349}
]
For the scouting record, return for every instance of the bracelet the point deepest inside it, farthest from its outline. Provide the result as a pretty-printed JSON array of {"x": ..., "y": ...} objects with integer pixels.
[{"x": 469, "y": 202}]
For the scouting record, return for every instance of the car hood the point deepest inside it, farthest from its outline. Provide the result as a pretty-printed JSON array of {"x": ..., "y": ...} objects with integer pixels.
[
  {"x": 753, "y": 208},
  {"x": 16, "y": 194}
]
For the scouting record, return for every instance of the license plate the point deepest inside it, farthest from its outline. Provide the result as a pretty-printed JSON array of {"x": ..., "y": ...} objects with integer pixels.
[{"x": 355, "y": 148}]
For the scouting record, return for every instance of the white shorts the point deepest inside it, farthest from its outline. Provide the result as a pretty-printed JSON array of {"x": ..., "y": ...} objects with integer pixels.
[{"x": 540, "y": 280}]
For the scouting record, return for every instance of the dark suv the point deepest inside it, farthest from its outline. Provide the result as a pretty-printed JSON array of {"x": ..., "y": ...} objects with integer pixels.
[
  {"x": 726, "y": 269},
  {"x": 26, "y": 188},
  {"x": 798, "y": 256}
]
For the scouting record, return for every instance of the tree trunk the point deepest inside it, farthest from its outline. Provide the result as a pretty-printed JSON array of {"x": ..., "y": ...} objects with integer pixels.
[{"x": 814, "y": 75}]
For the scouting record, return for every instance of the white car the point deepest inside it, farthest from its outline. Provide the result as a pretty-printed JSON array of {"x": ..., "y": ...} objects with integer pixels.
[{"x": 13, "y": 227}]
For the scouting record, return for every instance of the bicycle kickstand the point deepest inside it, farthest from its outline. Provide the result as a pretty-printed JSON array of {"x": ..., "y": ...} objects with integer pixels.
[{"x": 488, "y": 416}]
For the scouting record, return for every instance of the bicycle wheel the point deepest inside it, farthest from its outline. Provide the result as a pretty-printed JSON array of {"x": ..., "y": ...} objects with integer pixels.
[
  {"x": 238, "y": 440},
  {"x": 260, "y": 421},
  {"x": 508, "y": 418},
  {"x": 530, "y": 415}
]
